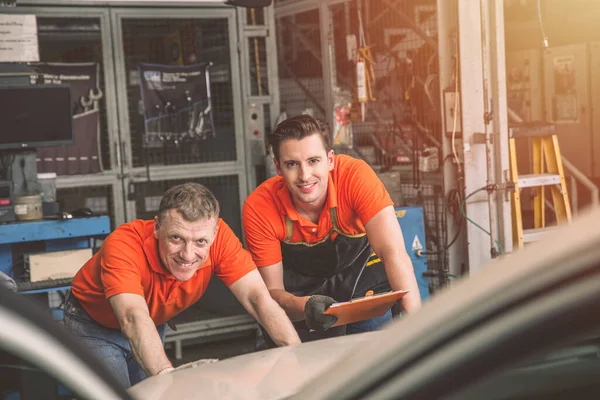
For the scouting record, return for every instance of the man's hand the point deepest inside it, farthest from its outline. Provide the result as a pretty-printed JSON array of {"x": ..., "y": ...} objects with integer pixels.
[
  {"x": 251, "y": 292},
  {"x": 313, "y": 313},
  {"x": 192, "y": 364},
  {"x": 165, "y": 371}
]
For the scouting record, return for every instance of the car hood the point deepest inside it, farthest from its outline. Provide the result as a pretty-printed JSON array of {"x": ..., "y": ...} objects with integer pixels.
[{"x": 269, "y": 374}]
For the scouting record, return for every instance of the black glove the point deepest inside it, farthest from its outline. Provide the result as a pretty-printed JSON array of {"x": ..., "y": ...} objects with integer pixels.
[{"x": 313, "y": 313}]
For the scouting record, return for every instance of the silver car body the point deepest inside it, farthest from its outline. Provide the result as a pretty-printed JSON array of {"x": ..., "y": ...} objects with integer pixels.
[
  {"x": 521, "y": 303},
  {"x": 269, "y": 374},
  {"x": 451, "y": 325}
]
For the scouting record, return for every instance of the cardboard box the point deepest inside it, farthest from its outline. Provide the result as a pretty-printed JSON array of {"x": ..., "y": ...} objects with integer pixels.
[{"x": 56, "y": 264}]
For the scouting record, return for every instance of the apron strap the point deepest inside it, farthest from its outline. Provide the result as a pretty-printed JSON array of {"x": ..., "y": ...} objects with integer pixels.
[
  {"x": 333, "y": 215},
  {"x": 289, "y": 228}
]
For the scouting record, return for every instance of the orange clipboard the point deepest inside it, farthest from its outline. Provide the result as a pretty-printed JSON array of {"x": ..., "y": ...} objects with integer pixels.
[{"x": 364, "y": 308}]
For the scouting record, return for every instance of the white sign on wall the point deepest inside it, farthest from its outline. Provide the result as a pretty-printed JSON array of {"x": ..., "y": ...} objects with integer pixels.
[{"x": 18, "y": 38}]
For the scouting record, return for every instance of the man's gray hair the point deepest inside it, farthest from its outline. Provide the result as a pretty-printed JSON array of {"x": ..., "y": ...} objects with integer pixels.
[{"x": 192, "y": 201}]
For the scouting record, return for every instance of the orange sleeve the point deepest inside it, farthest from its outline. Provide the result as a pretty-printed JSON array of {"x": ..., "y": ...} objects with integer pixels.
[
  {"x": 366, "y": 191},
  {"x": 258, "y": 217},
  {"x": 230, "y": 260},
  {"x": 120, "y": 269}
]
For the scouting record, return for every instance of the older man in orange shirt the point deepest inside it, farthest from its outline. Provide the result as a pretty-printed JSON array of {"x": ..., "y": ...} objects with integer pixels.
[{"x": 147, "y": 272}]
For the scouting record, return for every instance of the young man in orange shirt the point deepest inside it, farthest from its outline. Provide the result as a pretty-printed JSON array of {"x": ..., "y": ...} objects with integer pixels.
[
  {"x": 147, "y": 272},
  {"x": 314, "y": 230}
]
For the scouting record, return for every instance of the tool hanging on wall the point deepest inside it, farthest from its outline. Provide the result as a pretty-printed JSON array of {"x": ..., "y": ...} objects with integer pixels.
[
  {"x": 178, "y": 111},
  {"x": 92, "y": 101},
  {"x": 365, "y": 72}
]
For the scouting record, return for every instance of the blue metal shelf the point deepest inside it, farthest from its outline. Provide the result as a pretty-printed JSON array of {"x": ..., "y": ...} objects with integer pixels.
[
  {"x": 54, "y": 235},
  {"x": 50, "y": 230}
]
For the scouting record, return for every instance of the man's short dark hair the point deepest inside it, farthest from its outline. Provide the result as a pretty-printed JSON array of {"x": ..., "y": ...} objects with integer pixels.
[
  {"x": 298, "y": 128},
  {"x": 192, "y": 201}
]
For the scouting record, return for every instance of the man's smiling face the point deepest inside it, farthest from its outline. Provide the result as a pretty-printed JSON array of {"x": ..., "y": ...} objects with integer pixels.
[
  {"x": 305, "y": 165},
  {"x": 183, "y": 246}
]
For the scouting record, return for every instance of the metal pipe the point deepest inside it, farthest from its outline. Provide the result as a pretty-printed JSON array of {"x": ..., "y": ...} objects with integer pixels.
[
  {"x": 514, "y": 117},
  {"x": 304, "y": 41},
  {"x": 581, "y": 177},
  {"x": 484, "y": 19},
  {"x": 411, "y": 24},
  {"x": 381, "y": 14},
  {"x": 448, "y": 62},
  {"x": 574, "y": 196},
  {"x": 500, "y": 121}
]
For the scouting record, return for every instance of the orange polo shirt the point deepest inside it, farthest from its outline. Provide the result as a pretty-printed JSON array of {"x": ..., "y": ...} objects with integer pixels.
[
  {"x": 353, "y": 188},
  {"x": 128, "y": 262}
]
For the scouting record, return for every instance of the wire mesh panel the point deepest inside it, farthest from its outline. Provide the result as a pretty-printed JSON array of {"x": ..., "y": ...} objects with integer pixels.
[
  {"x": 181, "y": 42},
  {"x": 73, "y": 41},
  {"x": 99, "y": 199},
  {"x": 225, "y": 189},
  {"x": 395, "y": 42},
  {"x": 431, "y": 198},
  {"x": 300, "y": 64},
  {"x": 395, "y": 112}
]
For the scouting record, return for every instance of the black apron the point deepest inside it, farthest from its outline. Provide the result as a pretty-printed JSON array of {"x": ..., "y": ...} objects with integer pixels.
[{"x": 343, "y": 269}]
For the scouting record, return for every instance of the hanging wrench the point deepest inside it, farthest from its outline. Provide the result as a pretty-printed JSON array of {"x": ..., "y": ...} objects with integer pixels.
[
  {"x": 95, "y": 97},
  {"x": 208, "y": 110},
  {"x": 191, "y": 118},
  {"x": 201, "y": 129},
  {"x": 159, "y": 120},
  {"x": 86, "y": 103},
  {"x": 169, "y": 107}
]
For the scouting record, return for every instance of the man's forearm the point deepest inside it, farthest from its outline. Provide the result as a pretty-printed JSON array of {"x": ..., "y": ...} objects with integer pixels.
[
  {"x": 292, "y": 305},
  {"x": 146, "y": 344},
  {"x": 401, "y": 276},
  {"x": 272, "y": 317}
]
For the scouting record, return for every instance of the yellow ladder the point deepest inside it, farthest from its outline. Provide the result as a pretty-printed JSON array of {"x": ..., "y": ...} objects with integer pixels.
[{"x": 547, "y": 171}]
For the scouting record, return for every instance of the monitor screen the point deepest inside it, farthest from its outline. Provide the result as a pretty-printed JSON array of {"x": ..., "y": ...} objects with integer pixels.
[{"x": 35, "y": 116}]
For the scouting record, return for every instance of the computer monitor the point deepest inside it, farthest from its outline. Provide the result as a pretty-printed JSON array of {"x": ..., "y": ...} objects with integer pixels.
[{"x": 35, "y": 116}]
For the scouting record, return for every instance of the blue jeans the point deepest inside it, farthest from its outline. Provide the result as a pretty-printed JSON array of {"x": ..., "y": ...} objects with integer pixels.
[
  {"x": 108, "y": 344},
  {"x": 369, "y": 325}
]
